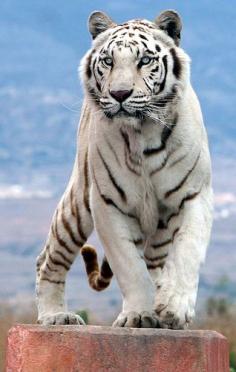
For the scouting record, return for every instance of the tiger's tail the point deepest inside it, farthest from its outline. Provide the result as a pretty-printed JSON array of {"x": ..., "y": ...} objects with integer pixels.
[{"x": 99, "y": 279}]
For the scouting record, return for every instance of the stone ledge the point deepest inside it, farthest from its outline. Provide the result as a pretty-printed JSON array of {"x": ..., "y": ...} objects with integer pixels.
[{"x": 34, "y": 348}]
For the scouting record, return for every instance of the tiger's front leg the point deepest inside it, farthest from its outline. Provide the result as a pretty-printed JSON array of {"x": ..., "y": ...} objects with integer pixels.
[
  {"x": 119, "y": 231},
  {"x": 176, "y": 287},
  {"x": 71, "y": 225}
]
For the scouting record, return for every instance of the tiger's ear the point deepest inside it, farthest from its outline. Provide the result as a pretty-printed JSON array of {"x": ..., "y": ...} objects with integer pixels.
[
  {"x": 99, "y": 22},
  {"x": 170, "y": 22}
]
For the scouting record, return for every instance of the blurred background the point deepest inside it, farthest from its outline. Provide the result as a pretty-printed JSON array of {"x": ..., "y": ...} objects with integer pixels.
[{"x": 41, "y": 44}]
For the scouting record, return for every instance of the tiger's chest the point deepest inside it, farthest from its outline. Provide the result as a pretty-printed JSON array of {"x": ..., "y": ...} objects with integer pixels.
[
  {"x": 126, "y": 162},
  {"x": 145, "y": 157}
]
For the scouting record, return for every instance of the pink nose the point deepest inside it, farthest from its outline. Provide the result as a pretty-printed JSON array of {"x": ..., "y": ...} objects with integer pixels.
[{"x": 120, "y": 95}]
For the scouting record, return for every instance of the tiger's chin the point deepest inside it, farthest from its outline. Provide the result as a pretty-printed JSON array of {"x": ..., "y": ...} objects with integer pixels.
[
  {"x": 127, "y": 121},
  {"x": 124, "y": 117}
]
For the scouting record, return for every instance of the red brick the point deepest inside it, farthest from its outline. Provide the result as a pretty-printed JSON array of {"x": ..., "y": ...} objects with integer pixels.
[{"x": 33, "y": 348}]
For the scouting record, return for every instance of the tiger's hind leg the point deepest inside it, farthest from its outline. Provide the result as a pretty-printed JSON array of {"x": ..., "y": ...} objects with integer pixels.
[{"x": 71, "y": 226}]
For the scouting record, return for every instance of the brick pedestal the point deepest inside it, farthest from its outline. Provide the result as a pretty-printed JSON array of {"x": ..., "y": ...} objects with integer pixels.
[{"x": 33, "y": 348}]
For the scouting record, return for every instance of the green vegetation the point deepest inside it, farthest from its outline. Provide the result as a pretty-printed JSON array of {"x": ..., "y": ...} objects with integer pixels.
[
  {"x": 84, "y": 314},
  {"x": 232, "y": 361},
  {"x": 220, "y": 315}
]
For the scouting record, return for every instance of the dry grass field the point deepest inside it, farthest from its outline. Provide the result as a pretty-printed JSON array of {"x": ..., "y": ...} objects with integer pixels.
[{"x": 219, "y": 316}]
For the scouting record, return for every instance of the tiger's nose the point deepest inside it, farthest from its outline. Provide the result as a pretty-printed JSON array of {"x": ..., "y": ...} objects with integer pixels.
[{"x": 120, "y": 95}]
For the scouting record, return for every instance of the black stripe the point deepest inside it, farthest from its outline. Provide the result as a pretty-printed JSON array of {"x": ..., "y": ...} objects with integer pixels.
[
  {"x": 129, "y": 46},
  {"x": 58, "y": 263},
  {"x": 86, "y": 183},
  {"x": 187, "y": 198},
  {"x": 161, "y": 166},
  {"x": 69, "y": 230},
  {"x": 156, "y": 258},
  {"x": 79, "y": 227},
  {"x": 153, "y": 267},
  {"x": 126, "y": 138},
  {"x": 148, "y": 51},
  {"x": 145, "y": 24},
  {"x": 144, "y": 44},
  {"x": 147, "y": 85},
  {"x": 99, "y": 71},
  {"x": 155, "y": 69},
  {"x": 176, "y": 188},
  {"x": 75, "y": 213},
  {"x": 164, "y": 137},
  {"x": 61, "y": 241},
  {"x": 88, "y": 68},
  {"x": 138, "y": 28},
  {"x": 50, "y": 269},
  {"x": 115, "y": 32},
  {"x": 161, "y": 225},
  {"x": 136, "y": 241},
  {"x": 154, "y": 150},
  {"x": 160, "y": 245},
  {"x": 162, "y": 85},
  {"x": 143, "y": 37},
  {"x": 53, "y": 281},
  {"x": 109, "y": 44},
  {"x": 162, "y": 102},
  {"x": 93, "y": 66},
  {"x": 158, "y": 49},
  {"x": 166, "y": 133},
  {"x": 59, "y": 253},
  {"x": 128, "y": 165},
  {"x": 174, "y": 233},
  {"x": 93, "y": 94},
  {"x": 112, "y": 178},
  {"x": 109, "y": 201},
  {"x": 113, "y": 151},
  {"x": 177, "y": 67},
  {"x": 119, "y": 43},
  {"x": 177, "y": 161},
  {"x": 98, "y": 85},
  {"x": 97, "y": 82}
]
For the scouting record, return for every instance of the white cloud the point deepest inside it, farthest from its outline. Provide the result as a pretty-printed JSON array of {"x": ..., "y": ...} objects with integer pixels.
[
  {"x": 17, "y": 191},
  {"x": 224, "y": 198}
]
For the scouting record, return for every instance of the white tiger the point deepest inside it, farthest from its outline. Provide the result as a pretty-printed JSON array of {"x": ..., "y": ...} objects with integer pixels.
[{"x": 142, "y": 178}]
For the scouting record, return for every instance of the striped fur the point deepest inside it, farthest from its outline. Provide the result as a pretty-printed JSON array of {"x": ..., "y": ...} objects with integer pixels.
[
  {"x": 98, "y": 279},
  {"x": 142, "y": 177}
]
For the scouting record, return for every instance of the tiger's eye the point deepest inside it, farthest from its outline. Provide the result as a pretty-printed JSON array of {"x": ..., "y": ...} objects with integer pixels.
[
  {"x": 108, "y": 61},
  {"x": 146, "y": 60}
]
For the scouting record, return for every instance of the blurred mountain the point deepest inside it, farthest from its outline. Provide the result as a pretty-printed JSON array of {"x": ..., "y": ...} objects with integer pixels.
[{"x": 41, "y": 44}]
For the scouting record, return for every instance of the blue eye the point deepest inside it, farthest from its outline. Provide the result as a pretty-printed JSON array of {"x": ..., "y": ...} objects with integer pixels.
[
  {"x": 145, "y": 60},
  {"x": 108, "y": 61}
]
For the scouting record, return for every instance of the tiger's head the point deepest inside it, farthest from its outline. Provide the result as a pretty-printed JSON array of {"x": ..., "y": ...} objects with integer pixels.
[{"x": 135, "y": 69}]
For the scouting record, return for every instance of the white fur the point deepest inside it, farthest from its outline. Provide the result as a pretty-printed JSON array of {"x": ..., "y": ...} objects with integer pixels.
[{"x": 169, "y": 292}]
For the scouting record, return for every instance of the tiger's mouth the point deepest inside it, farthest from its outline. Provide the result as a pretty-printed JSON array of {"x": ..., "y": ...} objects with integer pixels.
[{"x": 124, "y": 112}]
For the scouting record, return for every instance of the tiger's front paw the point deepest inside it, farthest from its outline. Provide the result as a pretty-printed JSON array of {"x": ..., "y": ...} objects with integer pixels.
[
  {"x": 133, "y": 319},
  {"x": 61, "y": 318},
  {"x": 175, "y": 312}
]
